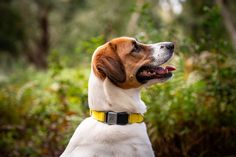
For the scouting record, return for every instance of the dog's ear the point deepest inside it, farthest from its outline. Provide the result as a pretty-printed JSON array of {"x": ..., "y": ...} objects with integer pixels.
[{"x": 108, "y": 64}]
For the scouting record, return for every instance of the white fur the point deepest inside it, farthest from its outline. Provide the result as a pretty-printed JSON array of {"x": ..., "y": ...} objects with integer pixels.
[
  {"x": 103, "y": 94},
  {"x": 161, "y": 55},
  {"x": 96, "y": 139}
]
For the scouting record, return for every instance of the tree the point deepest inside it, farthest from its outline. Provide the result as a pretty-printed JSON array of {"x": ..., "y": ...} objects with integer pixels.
[
  {"x": 228, "y": 20},
  {"x": 39, "y": 56}
]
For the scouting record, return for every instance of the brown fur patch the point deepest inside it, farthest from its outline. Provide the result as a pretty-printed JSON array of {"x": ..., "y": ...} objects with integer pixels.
[
  {"x": 119, "y": 63},
  {"x": 108, "y": 64}
]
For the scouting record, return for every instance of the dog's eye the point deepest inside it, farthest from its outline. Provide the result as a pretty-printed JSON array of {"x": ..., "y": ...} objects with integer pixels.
[{"x": 136, "y": 48}]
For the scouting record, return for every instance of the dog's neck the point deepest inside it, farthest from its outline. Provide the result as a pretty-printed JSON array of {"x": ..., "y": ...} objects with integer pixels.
[{"x": 103, "y": 95}]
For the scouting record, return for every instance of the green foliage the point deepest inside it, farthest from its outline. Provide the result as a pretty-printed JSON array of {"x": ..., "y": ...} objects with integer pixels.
[
  {"x": 175, "y": 102},
  {"x": 190, "y": 108},
  {"x": 88, "y": 47},
  {"x": 39, "y": 115},
  {"x": 193, "y": 114}
]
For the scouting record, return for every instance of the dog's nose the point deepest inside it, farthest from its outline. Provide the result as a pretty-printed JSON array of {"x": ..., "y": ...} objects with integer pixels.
[{"x": 170, "y": 46}]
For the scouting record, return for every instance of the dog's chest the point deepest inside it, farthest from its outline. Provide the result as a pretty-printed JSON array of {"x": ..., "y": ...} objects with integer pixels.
[
  {"x": 114, "y": 150},
  {"x": 94, "y": 139}
]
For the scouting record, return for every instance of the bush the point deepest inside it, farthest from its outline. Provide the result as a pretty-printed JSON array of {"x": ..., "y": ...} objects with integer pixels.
[{"x": 40, "y": 111}]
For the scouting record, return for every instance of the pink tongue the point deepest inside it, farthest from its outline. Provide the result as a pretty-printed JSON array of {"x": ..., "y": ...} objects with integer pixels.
[{"x": 168, "y": 68}]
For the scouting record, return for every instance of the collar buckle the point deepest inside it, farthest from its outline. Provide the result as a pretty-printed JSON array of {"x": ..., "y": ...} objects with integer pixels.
[
  {"x": 111, "y": 118},
  {"x": 116, "y": 118}
]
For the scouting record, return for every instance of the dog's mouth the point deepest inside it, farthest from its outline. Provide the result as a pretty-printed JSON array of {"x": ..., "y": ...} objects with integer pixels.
[{"x": 149, "y": 72}]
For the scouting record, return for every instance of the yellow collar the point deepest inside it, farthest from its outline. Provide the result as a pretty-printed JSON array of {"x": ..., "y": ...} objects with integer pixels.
[{"x": 119, "y": 118}]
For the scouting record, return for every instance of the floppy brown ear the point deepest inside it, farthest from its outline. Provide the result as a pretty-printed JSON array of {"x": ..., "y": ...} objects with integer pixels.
[{"x": 108, "y": 64}]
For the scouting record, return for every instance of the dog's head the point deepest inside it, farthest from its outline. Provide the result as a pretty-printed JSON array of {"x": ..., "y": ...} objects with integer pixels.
[{"x": 131, "y": 64}]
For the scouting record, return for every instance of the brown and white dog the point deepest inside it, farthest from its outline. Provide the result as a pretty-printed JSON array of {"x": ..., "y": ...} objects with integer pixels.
[{"x": 119, "y": 69}]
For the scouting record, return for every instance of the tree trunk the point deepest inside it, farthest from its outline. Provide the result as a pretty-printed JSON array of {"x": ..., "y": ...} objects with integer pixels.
[
  {"x": 228, "y": 22},
  {"x": 38, "y": 54},
  {"x": 43, "y": 45}
]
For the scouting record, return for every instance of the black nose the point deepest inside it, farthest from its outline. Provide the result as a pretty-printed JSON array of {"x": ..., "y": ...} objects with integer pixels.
[{"x": 170, "y": 46}]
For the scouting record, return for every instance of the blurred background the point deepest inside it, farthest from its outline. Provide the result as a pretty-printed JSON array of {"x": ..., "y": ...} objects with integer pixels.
[{"x": 45, "y": 52}]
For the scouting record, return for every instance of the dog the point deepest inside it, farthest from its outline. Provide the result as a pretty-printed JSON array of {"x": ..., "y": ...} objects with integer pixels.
[{"x": 119, "y": 70}]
